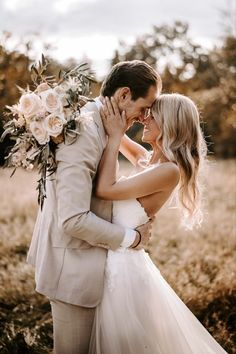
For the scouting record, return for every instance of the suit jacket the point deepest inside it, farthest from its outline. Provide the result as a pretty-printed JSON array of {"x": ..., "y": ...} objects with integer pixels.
[{"x": 74, "y": 226}]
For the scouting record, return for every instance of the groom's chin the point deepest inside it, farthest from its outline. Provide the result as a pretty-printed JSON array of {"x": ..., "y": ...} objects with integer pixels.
[{"x": 130, "y": 124}]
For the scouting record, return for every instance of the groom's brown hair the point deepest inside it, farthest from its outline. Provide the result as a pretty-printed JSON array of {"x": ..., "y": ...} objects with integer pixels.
[{"x": 135, "y": 74}]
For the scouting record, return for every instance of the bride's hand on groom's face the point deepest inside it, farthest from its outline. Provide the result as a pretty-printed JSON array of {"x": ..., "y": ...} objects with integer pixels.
[{"x": 115, "y": 124}]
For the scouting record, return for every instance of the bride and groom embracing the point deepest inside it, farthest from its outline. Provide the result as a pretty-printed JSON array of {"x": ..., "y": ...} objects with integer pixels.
[{"x": 107, "y": 297}]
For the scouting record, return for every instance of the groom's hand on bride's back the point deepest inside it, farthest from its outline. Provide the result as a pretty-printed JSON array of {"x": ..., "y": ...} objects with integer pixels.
[{"x": 143, "y": 234}]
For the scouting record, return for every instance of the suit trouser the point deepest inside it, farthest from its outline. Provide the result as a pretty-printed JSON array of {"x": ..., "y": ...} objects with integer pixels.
[{"x": 72, "y": 327}]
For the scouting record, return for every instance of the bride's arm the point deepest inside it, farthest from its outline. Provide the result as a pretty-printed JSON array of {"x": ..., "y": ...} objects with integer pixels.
[
  {"x": 132, "y": 150},
  {"x": 152, "y": 180}
]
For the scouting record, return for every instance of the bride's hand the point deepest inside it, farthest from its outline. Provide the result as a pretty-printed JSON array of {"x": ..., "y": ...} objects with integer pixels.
[{"x": 115, "y": 124}]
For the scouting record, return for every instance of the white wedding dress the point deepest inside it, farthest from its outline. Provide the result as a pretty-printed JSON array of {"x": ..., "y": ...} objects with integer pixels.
[{"x": 139, "y": 312}]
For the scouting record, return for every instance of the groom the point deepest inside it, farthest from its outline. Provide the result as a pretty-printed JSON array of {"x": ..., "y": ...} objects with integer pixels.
[{"x": 74, "y": 230}]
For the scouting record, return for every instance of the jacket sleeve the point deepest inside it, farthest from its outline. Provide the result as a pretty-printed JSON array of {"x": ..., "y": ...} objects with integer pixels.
[{"x": 76, "y": 168}]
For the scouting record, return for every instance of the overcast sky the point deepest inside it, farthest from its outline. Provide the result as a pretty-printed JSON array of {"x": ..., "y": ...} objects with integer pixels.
[{"x": 94, "y": 27}]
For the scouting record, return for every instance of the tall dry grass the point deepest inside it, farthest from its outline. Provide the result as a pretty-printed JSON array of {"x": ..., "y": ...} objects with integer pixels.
[{"x": 199, "y": 265}]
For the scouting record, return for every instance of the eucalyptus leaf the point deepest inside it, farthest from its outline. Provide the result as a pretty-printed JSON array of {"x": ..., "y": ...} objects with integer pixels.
[
  {"x": 20, "y": 89},
  {"x": 5, "y": 133}
]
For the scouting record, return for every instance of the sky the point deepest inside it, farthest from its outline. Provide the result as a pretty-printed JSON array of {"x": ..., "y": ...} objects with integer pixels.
[{"x": 93, "y": 28}]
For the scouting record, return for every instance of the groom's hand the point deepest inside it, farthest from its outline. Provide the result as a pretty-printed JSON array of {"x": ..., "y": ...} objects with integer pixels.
[{"x": 143, "y": 235}]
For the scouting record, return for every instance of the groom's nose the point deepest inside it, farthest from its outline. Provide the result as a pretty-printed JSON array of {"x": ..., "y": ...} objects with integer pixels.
[
  {"x": 146, "y": 120},
  {"x": 144, "y": 115},
  {"x": 141, "y": 118}
]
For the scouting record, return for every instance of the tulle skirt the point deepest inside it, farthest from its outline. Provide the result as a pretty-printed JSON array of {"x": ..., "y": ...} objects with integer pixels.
[{"x": 141, "y": 314}]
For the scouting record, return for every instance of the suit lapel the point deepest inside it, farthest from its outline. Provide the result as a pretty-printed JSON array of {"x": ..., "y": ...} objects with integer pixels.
[{"x": 102, "y": 208}]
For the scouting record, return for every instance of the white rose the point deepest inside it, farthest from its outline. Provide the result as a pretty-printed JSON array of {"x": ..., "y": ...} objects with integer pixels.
[
  {"x": 42, "y": 87},
  {"x": 39, "y": 132},
  {"x": 54, "y": 123},
  {"x": 59, "y": 90},
  {"x": 62, "y": 93},
  {"x": 51, "y": 101},
  {"x": 29, "y": 104}
]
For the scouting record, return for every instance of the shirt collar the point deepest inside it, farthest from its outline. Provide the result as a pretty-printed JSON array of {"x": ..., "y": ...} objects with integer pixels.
[{"x": 98, "y": 102}]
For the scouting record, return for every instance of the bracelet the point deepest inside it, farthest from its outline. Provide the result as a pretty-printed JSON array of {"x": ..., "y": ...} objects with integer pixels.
[{"x": 140, "y": 238}]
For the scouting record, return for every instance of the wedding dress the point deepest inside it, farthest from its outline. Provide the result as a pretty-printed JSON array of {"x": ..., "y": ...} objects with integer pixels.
[{"x": 140, "y": 313}]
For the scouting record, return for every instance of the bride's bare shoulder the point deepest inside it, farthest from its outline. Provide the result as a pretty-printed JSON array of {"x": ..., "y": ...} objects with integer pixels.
[{"x": 169, "y": 171}]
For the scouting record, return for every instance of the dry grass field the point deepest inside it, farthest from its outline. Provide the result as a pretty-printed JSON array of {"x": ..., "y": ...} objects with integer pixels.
[{"x": 199, "y": 265}]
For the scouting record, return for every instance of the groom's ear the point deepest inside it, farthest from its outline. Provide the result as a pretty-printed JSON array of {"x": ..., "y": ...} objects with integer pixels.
[{"x": 122, "y": 94}]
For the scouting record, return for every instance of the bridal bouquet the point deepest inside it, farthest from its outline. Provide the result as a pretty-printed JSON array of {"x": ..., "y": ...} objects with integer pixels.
[{"x": 44, "y": 117}]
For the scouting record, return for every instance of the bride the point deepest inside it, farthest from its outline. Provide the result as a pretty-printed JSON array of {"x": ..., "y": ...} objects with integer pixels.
[{"x": 139, "y": 312}]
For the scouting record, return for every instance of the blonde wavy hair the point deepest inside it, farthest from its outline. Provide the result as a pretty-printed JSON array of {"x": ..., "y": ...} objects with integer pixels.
[{"x": 181, "y": 141}]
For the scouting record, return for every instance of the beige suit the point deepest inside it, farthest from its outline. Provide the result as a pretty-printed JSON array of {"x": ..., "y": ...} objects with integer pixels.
[{"x": 66, "y": 247}]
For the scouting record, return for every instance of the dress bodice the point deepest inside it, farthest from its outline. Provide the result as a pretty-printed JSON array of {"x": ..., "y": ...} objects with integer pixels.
[{"x": 129, "y": 213}]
